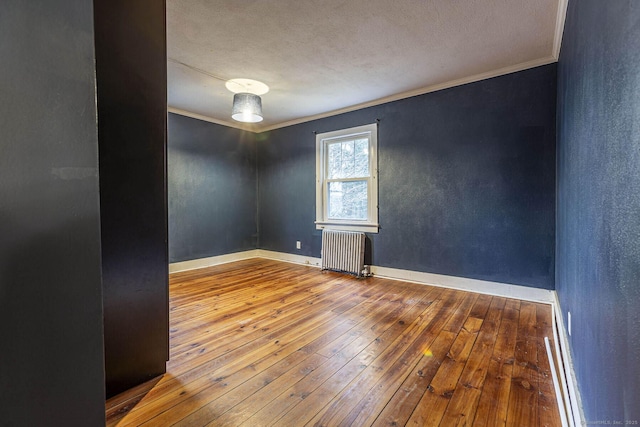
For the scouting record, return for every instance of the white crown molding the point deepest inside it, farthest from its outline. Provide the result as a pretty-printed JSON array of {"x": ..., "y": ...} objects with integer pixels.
[
  {"x": 231, "y": 124},
  {"x": 561, "y": 17},
  {"x": 421, "y": 91}
]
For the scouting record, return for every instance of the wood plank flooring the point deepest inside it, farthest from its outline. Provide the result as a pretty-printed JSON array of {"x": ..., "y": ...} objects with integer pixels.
[{"x": 266, "y": 343}]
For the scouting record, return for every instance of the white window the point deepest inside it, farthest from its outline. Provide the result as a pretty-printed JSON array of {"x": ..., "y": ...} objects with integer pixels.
[{"x": 347, "y": 179}]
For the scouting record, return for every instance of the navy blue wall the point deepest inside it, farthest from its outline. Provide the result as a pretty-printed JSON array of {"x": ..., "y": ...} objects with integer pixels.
[
  {"x": 51, "y": 357},
  {"x": 466, "y": 181},
  {"x": 598, "y": 239},
  {"x": 212, "y": 189}
]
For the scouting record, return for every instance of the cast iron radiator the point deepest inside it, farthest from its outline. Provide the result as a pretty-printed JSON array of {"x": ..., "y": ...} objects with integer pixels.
[{"x": 343, "y": 251}]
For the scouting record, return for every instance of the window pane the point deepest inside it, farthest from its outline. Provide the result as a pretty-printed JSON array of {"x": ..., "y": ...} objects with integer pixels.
[
  {"x": 334, "y": 160},
  {"x": 348, "y": 200},
  {"x": 361, "y": 157},
  {"x": 348, "y": 159}
]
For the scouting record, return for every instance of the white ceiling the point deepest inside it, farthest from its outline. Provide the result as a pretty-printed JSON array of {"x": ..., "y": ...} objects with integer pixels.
[{"x": 324, "y": 57}]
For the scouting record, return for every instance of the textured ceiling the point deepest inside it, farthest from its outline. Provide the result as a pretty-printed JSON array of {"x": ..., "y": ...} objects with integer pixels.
[{"x": 324, "y": 57}]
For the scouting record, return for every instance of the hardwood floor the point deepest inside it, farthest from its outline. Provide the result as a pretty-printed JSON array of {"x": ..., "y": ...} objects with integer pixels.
[{"x": 261, "y": 343}]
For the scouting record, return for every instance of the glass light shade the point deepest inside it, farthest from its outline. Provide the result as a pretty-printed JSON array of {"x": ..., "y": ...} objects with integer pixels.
[{"x": 247, "y": 107}]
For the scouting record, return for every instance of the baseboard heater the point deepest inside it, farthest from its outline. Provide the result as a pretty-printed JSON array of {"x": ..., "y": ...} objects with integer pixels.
[{"x": 343, "y": 251}]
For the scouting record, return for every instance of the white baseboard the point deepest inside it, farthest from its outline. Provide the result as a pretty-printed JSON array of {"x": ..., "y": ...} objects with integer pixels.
[
  {"x": 211, "y": 261},
  {"x": 292, "y": 258},
  {"x": 562, "y": 339},
  {"x": 461, "y": 283},
  {"x": 465, "y": 284}
]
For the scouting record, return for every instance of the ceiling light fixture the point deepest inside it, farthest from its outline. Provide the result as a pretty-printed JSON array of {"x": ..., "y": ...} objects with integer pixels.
[
  {"x": 247, "y": 108},
  {"x": 247, "y": 104}
]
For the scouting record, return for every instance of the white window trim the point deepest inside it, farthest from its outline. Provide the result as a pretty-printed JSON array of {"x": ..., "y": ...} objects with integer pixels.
[{"x": 322, "y": 220}]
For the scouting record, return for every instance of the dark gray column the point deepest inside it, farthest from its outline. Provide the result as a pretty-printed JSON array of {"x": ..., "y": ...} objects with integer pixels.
[{"x": 132, "y": 97}]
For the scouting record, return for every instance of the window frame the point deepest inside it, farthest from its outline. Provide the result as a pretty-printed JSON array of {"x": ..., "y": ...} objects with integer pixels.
[{"x": 369, "y": 225}]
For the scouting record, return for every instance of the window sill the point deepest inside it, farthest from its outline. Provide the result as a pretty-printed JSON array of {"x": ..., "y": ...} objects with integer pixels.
[{"x": 344, "y": 226}]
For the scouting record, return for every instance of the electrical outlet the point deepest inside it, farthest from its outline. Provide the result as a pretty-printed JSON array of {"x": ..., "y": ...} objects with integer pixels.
[
  {"x": 298, "y": 244},
  {"x": 569, "y": 322}
]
